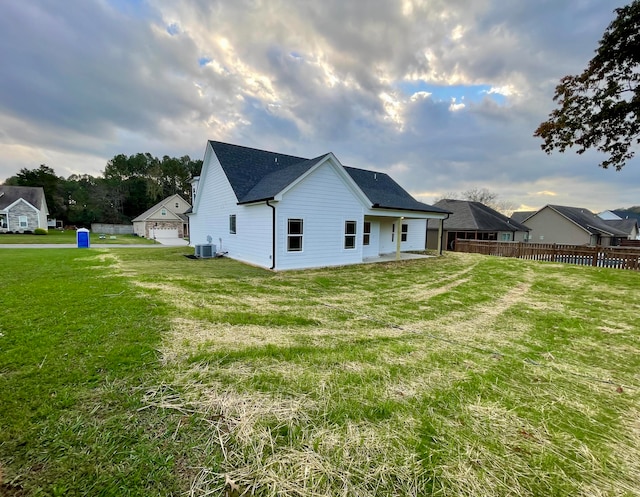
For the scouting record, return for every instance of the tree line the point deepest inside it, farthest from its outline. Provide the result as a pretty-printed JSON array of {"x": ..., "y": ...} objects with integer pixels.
[{"x": 128, "y": 186}]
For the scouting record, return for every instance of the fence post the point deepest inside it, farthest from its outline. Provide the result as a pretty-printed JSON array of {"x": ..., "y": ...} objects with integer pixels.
[{"x": 594, "y": 261}]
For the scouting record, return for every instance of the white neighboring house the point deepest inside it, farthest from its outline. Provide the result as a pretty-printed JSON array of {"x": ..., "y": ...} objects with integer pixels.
[
  {"x": 22, "y": 208},
  {"x": 283, "y": 212},
  {"x": 166, "y": 219}
]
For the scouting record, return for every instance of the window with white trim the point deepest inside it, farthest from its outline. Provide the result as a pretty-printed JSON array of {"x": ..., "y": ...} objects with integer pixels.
[
  {"x": 350, "y": 234},
  {"x": 23, "y": 222},
  {"x": 404, "y": 233},
  {"x": 295, "y": 232},
  {"x": 232, "y": 224},
  {"x": 163, "y": 212},
  {"x": 506, "y": 237},
  {"x": 366, "y": 233}
]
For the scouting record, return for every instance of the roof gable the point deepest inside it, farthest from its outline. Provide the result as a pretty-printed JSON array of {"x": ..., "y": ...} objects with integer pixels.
[
  {"x": 467, "y": 215},
  {"x": 246, "y": 167},
  {"x": 586, "y": 219},
  {"x": 167, "y": 204},
  {"x": 273, "y": 183},
  {"x": 34, "y": 195}
]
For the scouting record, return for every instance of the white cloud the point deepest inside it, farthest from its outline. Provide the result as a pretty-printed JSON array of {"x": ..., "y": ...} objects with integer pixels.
[{"x": 90, "y": 81}]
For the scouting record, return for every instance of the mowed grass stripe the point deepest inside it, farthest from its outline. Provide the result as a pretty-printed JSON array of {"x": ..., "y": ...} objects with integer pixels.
[{"x": 461, "y": 375}]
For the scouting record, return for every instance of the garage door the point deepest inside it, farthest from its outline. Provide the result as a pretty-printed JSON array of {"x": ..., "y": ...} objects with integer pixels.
[{"x": 163, "y": 233}]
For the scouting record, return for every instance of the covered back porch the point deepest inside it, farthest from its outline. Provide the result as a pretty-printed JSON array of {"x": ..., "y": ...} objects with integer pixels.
[{"x": 396, "y": 234}]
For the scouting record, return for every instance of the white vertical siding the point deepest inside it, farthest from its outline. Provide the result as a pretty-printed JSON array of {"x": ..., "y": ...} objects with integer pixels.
[
  {"x": 324, "y": 202},
  {"x": 416, "y": 235},
  {"x": 252, "y": 242},
  {"x": 372, "y": 250},
  {"x": 216, "y": 202}
]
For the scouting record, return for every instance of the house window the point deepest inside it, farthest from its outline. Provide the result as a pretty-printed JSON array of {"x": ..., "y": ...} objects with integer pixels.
[
  {"x": 163, "y": 212},
  {"x": 349, "y": 234},
  {"x": 294, "y": 235},
  {"x": 405, "y": 231},
  {"x": 232, "y": 224},
  {"x": 506, "y": 237},
  {"x": 366, "y": 237},
  {"x": 24, "y": 223},
  {"x": 393, "y": 232},
  {"x": 177, "y": 205}
]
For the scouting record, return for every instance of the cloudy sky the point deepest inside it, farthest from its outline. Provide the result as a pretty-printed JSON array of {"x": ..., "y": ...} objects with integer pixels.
[{"x": 444, "y": 95}]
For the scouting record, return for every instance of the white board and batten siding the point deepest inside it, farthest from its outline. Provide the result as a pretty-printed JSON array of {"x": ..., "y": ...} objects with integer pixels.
[
  {"x": 251, "y": 242},
  {"x": 210, "y": 217},
  {"x": 416, "y": 235},
  {"x": 373, "y": 249},
  {"x": 324, "y": 202}
]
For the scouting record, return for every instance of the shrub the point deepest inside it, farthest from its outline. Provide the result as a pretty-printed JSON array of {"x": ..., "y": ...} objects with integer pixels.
[{"x": 40, "y": 231}]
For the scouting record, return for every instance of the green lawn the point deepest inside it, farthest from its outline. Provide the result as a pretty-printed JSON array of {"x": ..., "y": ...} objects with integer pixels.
[
  {"x": 69, "y": 236},
  {"x": 143, "y": 372}
]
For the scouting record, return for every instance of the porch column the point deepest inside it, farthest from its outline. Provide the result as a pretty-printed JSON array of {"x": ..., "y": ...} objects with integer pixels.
[
  {"x": 440, "y": 236},
  {"x": 398, "y": 237}
]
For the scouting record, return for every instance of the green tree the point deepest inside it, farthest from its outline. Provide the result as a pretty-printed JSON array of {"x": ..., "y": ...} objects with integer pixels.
[
  {"x": 599, "y": 109},
  {"x": 83, "y": 200},
  {"x": 45, "y": 177}
]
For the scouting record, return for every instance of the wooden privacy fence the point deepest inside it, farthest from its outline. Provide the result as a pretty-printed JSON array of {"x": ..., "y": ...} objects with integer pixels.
[{"x": 583, "y": 255}]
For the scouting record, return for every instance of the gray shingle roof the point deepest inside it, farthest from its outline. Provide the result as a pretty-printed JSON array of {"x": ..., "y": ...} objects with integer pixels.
[
  {"x": 385, "y": 193},
  {"x": 475, "y": 216},
  {"x": 521, "y": 216},
  {"x": 257, "y": 175},
  {"x": 624, "y": 225},
  {"x": 587, "y": 220},
  {"x": 32, "y": 194},
  {"x": 627, "y": 214},
  {"x": 246, "y": 167}
]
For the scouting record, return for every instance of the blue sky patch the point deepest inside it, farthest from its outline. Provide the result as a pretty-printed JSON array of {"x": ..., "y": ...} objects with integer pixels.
[
  {"x": 137, "y": 8},
  {"x": 446, "y": 93},
  {"x": 203, "y": 61},
  {"x": 173, "y": 29}
]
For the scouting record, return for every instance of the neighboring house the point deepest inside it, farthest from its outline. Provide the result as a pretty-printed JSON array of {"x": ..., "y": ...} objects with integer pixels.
[
  {"x": 22, "y": 208},
  {"x": 571, "y": 225},
  {"x": 475, "y": 221},
  {"x": 166, "y": 219},
  {"x": 520, "y": 216},
  {"x": 617, "y": 214},
  {"x": 628, "y": 226},
  {"x": 624, "y": 220},
  {"x": 283, "y": 212}
]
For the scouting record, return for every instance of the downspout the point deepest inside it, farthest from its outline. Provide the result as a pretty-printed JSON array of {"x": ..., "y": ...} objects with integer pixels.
[
  {"x": 442, "y": 232},
  {"x": 273, "y": 236}
]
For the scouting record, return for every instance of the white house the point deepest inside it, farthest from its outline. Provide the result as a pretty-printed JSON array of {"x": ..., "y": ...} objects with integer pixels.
[
  {"x": 283, "y": 212},
  {"x": 22, "y": 208}
]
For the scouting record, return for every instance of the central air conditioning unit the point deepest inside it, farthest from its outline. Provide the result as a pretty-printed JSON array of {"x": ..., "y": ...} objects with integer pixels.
[{"x": 205, "y": 251}]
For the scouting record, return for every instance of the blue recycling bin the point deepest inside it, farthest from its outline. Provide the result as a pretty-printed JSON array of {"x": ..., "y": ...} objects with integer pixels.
[{"x": 82, "y": 237}]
